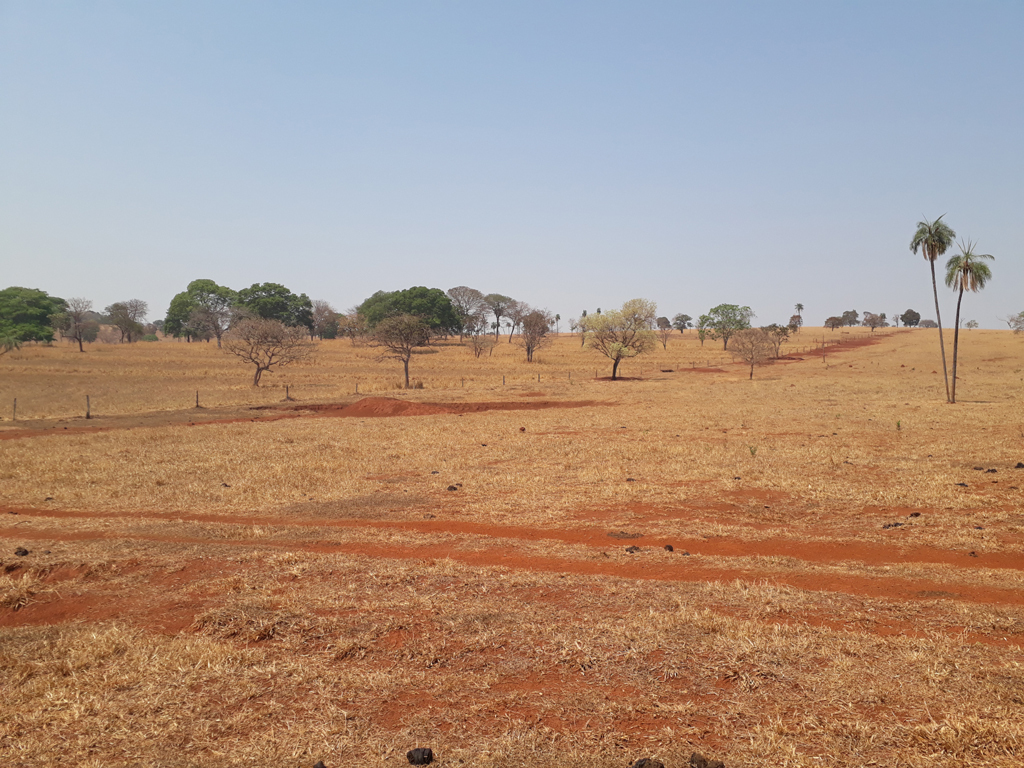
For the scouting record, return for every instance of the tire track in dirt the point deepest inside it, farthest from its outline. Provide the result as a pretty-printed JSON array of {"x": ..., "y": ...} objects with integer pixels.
[
  {"x": 827, "y": 552},
  {"x": 887, "y": 587}
]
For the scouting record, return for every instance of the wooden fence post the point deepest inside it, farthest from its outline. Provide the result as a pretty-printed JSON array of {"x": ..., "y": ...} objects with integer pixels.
[{"x": 88, "y": 408}]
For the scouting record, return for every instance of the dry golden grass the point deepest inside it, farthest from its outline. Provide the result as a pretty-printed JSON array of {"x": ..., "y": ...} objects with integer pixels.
[{"x": 281, "y": 592}]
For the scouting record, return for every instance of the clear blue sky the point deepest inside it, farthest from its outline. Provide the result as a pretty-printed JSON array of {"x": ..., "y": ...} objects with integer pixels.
[{"x": 572, "y": 155}]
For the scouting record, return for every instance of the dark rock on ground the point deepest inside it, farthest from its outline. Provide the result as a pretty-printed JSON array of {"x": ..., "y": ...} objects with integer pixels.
[
  {"x": 648, "y": 762},
  {"x": 633, "y": 548},
  {"x": 991, "y": 471},
  {"x": 452, "y": 488},
  {"x": 962, "y": 485},
  {"x": 697, "y": 760},
  {"x": 887, "y": 526},
  {"x": 914, "y": 514},
  {"x": 1020, "y": 465},
  {"x": 631, "y": 480},
  {"x": 21, "y": 552},
  {"x": 319, "y": 764},
  {"x": 686, "y": 553},
  {"x": 624, "y": 535},
  {"x": 669, "y": 548},
  {"x": 978, "y": 469},
  {"x": 420, "y": 756}
]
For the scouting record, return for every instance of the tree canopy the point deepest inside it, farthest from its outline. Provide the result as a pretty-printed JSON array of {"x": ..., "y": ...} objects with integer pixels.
[
  {"x": 25, "y": 314},
  {"x": 622, "y": 333},
  {"x": 725, "y": 320},
  {"x": 202, "y": 310},
  {"x": 272, "y": 301},
  {"x": 431, "y": 305}
]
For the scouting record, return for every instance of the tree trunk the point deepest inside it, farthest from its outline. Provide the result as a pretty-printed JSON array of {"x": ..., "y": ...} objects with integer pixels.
[
  {"x": 956, "y": 341},
  {"x": 80, "y": 343},
  {"x": 256, "y": 378},
  {"x": 751, "y": 372},
  {"x": 405, "y": 362},
  {"x": 938, "y": 321},
  {"x": 615, "y": 368}
]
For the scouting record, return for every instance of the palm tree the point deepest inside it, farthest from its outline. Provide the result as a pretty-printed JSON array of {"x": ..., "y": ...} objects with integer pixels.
[
  {"x": 934, "y": 238},
  {"x": 799, "y": 311},
  {"x": 968, "y": 271}
]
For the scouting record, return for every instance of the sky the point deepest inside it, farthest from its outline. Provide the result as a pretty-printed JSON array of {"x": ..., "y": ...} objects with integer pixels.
[{"x": 572, "y": 155}]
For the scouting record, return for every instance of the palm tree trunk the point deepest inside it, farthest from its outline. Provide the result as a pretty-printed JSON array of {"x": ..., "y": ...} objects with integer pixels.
[
  {"x": 938, "y": 320},
  {"x": 956, "y": 340}
]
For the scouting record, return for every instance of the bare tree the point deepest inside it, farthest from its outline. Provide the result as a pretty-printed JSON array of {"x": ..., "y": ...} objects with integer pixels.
[
  {"x": 872, "y": 321},
  {"x": 324, "y": 317},
  {"x": 468, "y": 302},
  {"x": 267, "y": 344},
  {"x": 776, "y": 334},
  {"x": 399, "y": 336},
  {"x": 536, "y": 325},
  {"x": 128, "y": 317},
  {"x": 752, "y": 346},
  {"x": 480, "y": 340},
  {"x": 497, "y": 304},
  {"x": 75, "y": 322},
  {"x": 517, "y": 310}
]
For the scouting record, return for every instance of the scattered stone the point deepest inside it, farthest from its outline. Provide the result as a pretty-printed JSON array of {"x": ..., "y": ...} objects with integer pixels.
[
  {"x": 483, "y": 445},
  {"x": 648, "y": 762},
  {"x": 453, "y": 488},
  {"x": 631, "y": 549},
  {"x": 435, "y": 472},
  {"x": 224, "y": 485},
  {"x": 887, "y": 526},
  {"x": 979, "y": 527},
  {"x": 21, "y": 552},
  {"x": 990, "y": 471},
  {"x": 915, "y": 514},
  {"x": 319, "y": 764},
  {"x": 697, "y": 760},
  {"x": 686, "y": 553},
  {"x": 522, "y": 429},
  {"x": 973, "y": 553},
  {"x": 669, "y": 548},
  {"x": 962, "y": 485},
  {"x": 429, "y": 516},
  {"x": 48, "y": 498},
  {"x": 420, "y": 756},
  {"x": 1020, "y": 465},
  {"x": 458, "y": 485},
  {"x": 631, "y": 480},
  {"x": 624, "y": 535},
  {"x": 978, "y": 469},
  {"x": 735, "y": 478}
]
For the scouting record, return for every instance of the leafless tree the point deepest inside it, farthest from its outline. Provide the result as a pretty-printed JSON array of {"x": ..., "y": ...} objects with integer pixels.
[
  {"x": 324, "y": 315},
  {"x": 128, "y": 317},
  {"x": 536, "y": 325},
  {"x": 776, "y": 334},
  {"x": 872, "y": 321},
  {"x": 267, "y": 344},
  {"x": 399, "y": 336},
  {"x": 752, "y": 346},
  {"x": 516, "y": 311},
  {"x": 75, "y": 323},
  {"x": 468, "y": 302}
]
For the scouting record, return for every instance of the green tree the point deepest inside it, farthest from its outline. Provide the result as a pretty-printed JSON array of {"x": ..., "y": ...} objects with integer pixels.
[
  {"x": 777, "y": 335},
  {"x": 431, "y": 305},
  {"x": 212, "y": 306},
  {"x": 851, "y": 317},
  {"x": 910, "y": 318},
  {"x": 534, "y": 329},
  {"x": 933, "y": 239},
  {"x": 966, "y": 271},
  {"x": 681, "y": 322},
  {"x": 272, "y": 301},
  {"x": 128, "y": 317},
  {"x": 399, "y": 337},
  {"x": 726, "y": 320},
  {"x": 800, "y": 312},
  {"x": 622, "y": 333},
  {"x": 25, "y": 314},
  {"x": 703, "y": 328}
]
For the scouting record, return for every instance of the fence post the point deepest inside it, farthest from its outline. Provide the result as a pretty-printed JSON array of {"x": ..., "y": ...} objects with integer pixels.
[
  {"x": 197, "y": 398},
  {"x": 357, "y": 387},
  {"x": 88, "y": 408},
  {"x": 503, "y": 379}
]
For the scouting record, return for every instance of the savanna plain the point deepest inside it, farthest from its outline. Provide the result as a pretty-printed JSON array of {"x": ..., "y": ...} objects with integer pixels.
[{"x": 515, "y": 564}]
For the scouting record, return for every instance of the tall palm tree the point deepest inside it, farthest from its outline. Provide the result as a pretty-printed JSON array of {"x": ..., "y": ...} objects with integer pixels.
[
  {"x": 968, "y": 271},
  {"x": 799, "y": 311},
  {"x": 934, "y": 238}
]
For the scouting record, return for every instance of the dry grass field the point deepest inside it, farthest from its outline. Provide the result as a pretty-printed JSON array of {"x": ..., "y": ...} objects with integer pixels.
[{"x": 482, "y": 567}]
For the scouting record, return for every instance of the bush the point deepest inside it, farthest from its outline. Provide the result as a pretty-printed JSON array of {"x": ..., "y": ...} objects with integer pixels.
[{"x": 150, "y": 337}]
